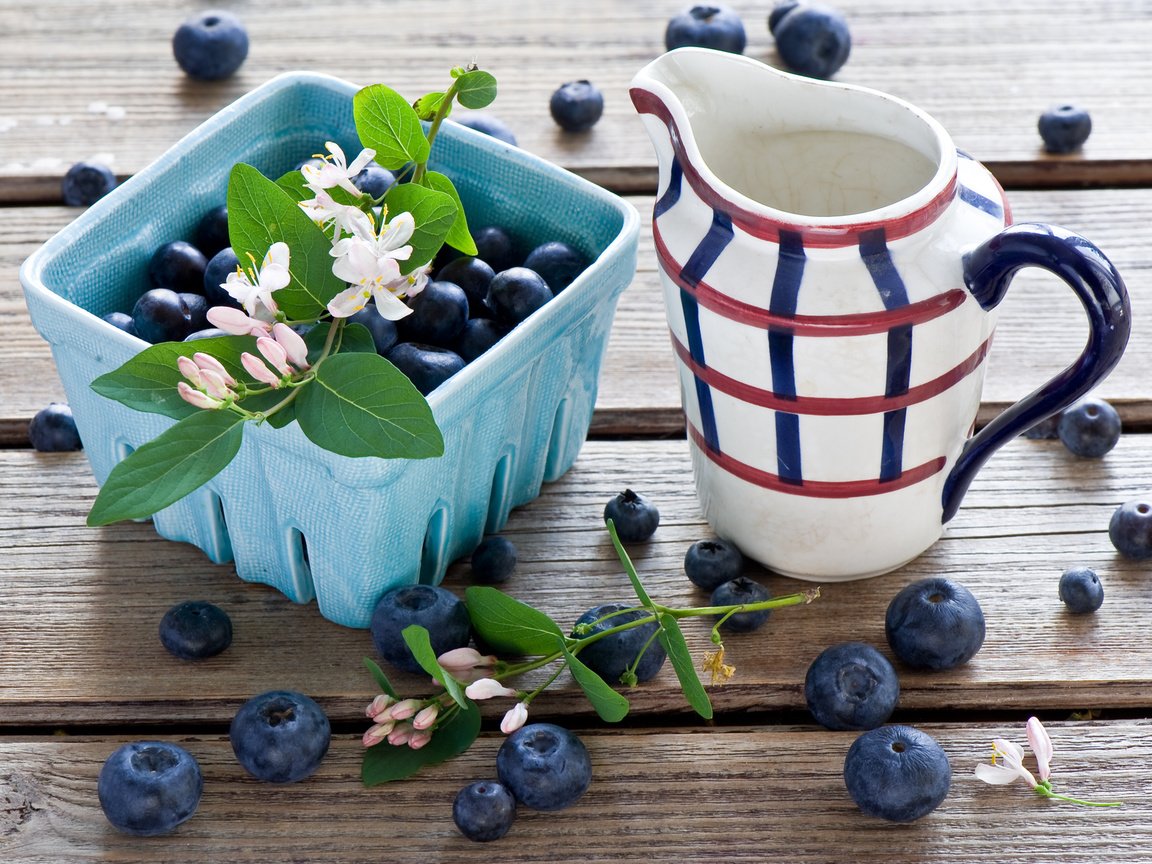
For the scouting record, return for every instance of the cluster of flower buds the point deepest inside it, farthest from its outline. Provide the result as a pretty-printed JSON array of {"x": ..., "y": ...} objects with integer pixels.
[
  {"x": 409, "y": 721},
  {"x": 284, "y": 347},
  {"x": 210, "y": 384}
]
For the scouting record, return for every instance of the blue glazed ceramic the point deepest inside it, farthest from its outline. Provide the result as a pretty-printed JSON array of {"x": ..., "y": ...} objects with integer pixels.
[{"x": 313, "y": 524}]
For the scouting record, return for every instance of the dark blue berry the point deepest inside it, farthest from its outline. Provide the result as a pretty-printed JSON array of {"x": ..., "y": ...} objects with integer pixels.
[
  {"x": 611, "y": 656},
  {"x": 934, "y": 624},
  {"x": 121, "y": 321},
  {"x": 149, "y": 787},
  {"x": 436, "y": 609},
  {"x": 634, "y": 516},
  {"x": 1046, "y": 429},
  {"x": 86, "y": 183},
  {"x": 494, "y": 245},
  {"x": 426, "y": 366},
  {"x": 161, "y": 315},
  {"x": 1130, "y": 529},
  {"x": 473, "y": 275},
  {"x": 384, "y": 332},
  {"x": 195, "y": 629},
  {"x": 710, "y": 563},
  {"x": 280, "y": 736},
  {"x": 897, "y": 773},
  {"x": 516, "y": 293},
  {"x": 544, "y": 766},
  {"x": 439, "y": 314},
  {"x": 478, "y": 336},
  {"x": 493, "y": 560},
  {"x": 737, "y": 592},
  {"x": 210, "y": 45},
  {"x": 374, "y": 180},
  {"x": 576, "y": 106},
  {"x": 197, "y": 310},
  {"x": 716, "y": 27},
  {"x": 177, "y": 265},
  {"x": 488, "y": 124},
  {"x": 558, "y": 264},
  {"x": 813, "y": 40},
  {"x": 1090, "y": 428},
  {"x": 778, "y": 12},
  {"x": 1081, "y": 590},
  {"x": 1064, "y": 128},
  {"x": 53, "y": 429},
  {"x": 212, "y": 231},
  {"x": 851, "y": 686},
  {"x": 484, "y": 810},
  {"x": 216, "y": 273}
]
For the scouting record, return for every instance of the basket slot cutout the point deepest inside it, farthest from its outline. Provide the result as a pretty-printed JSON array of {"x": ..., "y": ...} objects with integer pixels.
[
  {"x": 433, "y": 557},
  {"x": 298, "y": 565},
  {"x": 499, "y": 502},
  {"x": 555, "y": 464}
]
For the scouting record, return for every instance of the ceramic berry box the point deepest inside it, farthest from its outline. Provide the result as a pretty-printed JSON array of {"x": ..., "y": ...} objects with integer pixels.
[{"x": 313, "y": 524}]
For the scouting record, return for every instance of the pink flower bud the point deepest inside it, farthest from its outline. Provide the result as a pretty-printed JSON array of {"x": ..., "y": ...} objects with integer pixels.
[
  {"x": 215, "y": 385},
  {"x": 400, "y": 734},
  {"x": 256, "y": 368},
  {"x": 426, "y": 717},
  {"x": 486, "y": 688},
  {"x": 378, "y": 706},
  {"x": 419, "y": 739},
  {"x": 195, "y": 397},
  {"x": 190, "y": 370},
  {"x": 275, "y": 354},
  {"x": 404, "y": 710},
  {"x": 236, "y": 322},
  {"x": 376, "y": 733},
  {"x": 516, "y": 716},
  {"x": 207, "y": 361},
  {"x": 292, "y": 344}
]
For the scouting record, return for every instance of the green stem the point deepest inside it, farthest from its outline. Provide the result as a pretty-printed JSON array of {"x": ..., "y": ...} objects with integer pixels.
[
  {"x": 1044, "y": 790},
  {"x": 528, "y": 697},
  {"x": 437, "y": 119}
]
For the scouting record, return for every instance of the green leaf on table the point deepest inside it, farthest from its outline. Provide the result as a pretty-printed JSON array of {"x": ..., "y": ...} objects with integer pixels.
[
  {"x": 458, "y": 236},
  {"x": 380, "y": 678},
  {"x": 359, "y": 404},
  {"x": 509, "y": 626},
  {"x": 476, "y": 89},
  {"x": 178, "y": 461},
  {"x": 420, "y": 644},
  {"x": 672, "y": 638},
  {"x": 427, "y": 105},
  {"x": 629, "y": 567},
  {"x": 261, "y": 213},
  {"x": 434, "y": 213},
  {"x": 384, "y": 763},
  {"x": 387, "y": 124},
  {"x": 610, "y": 705}
]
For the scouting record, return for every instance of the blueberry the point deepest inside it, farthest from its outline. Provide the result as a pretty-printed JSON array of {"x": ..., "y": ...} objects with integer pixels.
[
  {"x": 778, "y": 12},
  {"x": 897, "y": 773},
  {"x": 1046, "y": 429},
  {"x": 210, "y": 45},
  {"x": 710, "y": 563},
  {"x": 576, "y": 106},
  {"x": 436, "y": 609},
  {"x": 1090, "y": 428},
  {"x": 478, "y": 336},
  {"x": 813, "y": 40},
  {"x": 1064, "y": 128},
  {"x": 484, "y": 810},
  {"x": 1081, "y": 590},
  {"x": 374, "y": 180},
  {"x": 212, "y": 231},
  {"x": 121, "y": 321},
  {"x": 473, "y": 275},
  {"x": 545, "y": 766},
  {"x": 494, "y": 245},
  {"x": 557, "y": 262},
  {"x": 1130, "y": 529},
  {"x": 280, "y": 736},
  {"x": 493, "y": 561},
  {"x": 161, "y": 315},
  {"x": 216, "y": 274},
  {"x": 439, "y": 313},
  {"x": 611, "y": 656},
  {"x": 716, "y": 27},
  {"x": 851, "y": 686},
  {"x": 384, "y": 333},
  {"x": 53, "y": 429},
  {"x": 488, "y": 124},
  {"x": 426, "y": 366},
  {"x": 177, "y": 265},
  {"x": 934, "y": 624},
  {"x": 149, "y": 787},
  {"x": 195, "y": 629},
  {"x": 206, "y": 333},
  {"x": 197, "y": 310},
  {"x": 86, "y": 183},
  {"x": 634, "y": 516},
  {"x": 516, "y": 293},
  {"x": 739, "y": 591}
]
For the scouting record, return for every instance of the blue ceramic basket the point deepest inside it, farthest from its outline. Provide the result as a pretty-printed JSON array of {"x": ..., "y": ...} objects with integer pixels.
[{"x": 308, "y": 522}]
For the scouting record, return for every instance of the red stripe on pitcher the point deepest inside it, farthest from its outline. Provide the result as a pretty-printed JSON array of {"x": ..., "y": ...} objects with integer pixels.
[
  {"x": 815, "y": 488},
  {"x": 766, "y": 228}
]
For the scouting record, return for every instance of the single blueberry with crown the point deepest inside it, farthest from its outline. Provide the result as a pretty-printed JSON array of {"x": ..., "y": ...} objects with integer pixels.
[
  {"x": 1081, "y": 590},
  {"x": 737, "y": 592},
  {"x": 436, "y": 609},
  {"x": 1090, "y": 428},
  {"x": 86, "y": 183},
  {"x": 576, "y": 105},
  {"x": 897, "y": 773},
  {"x": 426, "y": 366},
  {"x": 934, "y": 624},
  {"x": 1130, "y": 529},
  {"x": 611, "y": 656},
  {"x": 851, "y": 686},
  {"x": 545, "y": 766},
  {"x": 493, "y": 560},
  {"x": 635, "y": 517},
  {"x": 812, "y": 40},
  {"x": 1064, "y": 128},
  {"x": 484, "y": 810},
  {"x": 708, "y": 564},
  {"x": 53, "y": 429},
  {"x": 195, "y": 630},
  {"x": 210, "y": 45},
  {"x": 280, "y": 736},
  {"x": 716, "y": 27},
  {"x": 148, "y": 788}
]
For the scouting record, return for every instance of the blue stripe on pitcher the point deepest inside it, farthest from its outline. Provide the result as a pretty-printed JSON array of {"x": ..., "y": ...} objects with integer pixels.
[{"x": 785, "y": 293}]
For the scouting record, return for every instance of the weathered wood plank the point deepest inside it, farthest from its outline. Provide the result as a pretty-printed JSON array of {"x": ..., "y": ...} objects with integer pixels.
[
  {"x": 81, "y": 606},
  {"x": 970, "y": 64},
  {"x": 727, "y": 794}
]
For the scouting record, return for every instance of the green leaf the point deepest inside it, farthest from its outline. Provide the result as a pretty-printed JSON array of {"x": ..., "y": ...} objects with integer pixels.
[
  {"x": 390, "y": 126},
  {"x": 380, "y": 678},
  {"x": 509, "y": 626},
  {"x": 419, "y": 643},
  {"x": 427, "y": 106},
  {"x": 458, "y": 236},
  {"x": 629, "y": 568},
  {"x": 383, "y": 762},
  {"x": 672, "y": 638},
  {"x": 260, "y": 213},
  {"x": 147, "y": 381},
  {"x": 434, "y": 213},
  {"x": 161, "y": 472},
  {"x": 476, "y": 89},
  {"x": 610, "y": 705},
  {"x": 295, "y": 186},
  {"x": 359, "y": 404}
]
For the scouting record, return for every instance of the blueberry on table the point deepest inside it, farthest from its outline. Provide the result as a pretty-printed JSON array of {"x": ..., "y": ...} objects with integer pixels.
[
  {"x": 897, "y": 773},
  {"x": 478, "y": 335},
  {"x": 778, "y": 12},
  {"x": 484, "y": 810},
  {"x": 716, "y": 27},
  {"x": 489, "y": 124},
  {"x": 1130, "y": 529},
  {"x": 384, "y": 332},
  {"x": 737, "y": 592},
  {"x": 427, "y": 366},
  {"x": 851, "y": 686},
  {"x": 473, "y": 275},
  {"x": 436, "y": 609},
  {"x": 557, "y": 262},
  {"x": 1081, "y": 590},
  {"x": 1065, "y": 128},
  {"x": 708, "y": 564},
  {"x": 544, "y": 766},
  {"x": 494, "y": 245},
  {"x": 53, "y": 429},
  {"x": 161, "y": 315},
  {"x": 813, "y": 40},
  {"x": 195, "y": 630},
  {"x": 516, "y": 293},
  {"x": 177, "y": 265},
  {"x": 86, "y": 183},
  {"x": 1047, "y": 429},
  {"x": 216, "y": 274},
  {"x": 280, "y": 736},
  {"x": 210, "y": 45},
  {"x": 212, "y": 231},
  {"x": 149, "y": 787},
  {"x": 935, "y": 624},
  {"x": 1090, "y": 428},
  {"x": 576, "y": 105},
  {"x": 439, "y": 314},
  {"x": 635, "y": 517},
  {"x": 493, "y": 561},
  {"x": 121, "y": 321},
  {"x": 609, "y": 656}
]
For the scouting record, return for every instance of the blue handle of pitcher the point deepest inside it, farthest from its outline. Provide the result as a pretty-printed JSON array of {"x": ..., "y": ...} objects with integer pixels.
[{"x": 988, "y": 270}]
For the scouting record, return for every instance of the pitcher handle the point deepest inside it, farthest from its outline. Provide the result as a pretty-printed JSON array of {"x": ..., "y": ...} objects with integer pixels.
[{"x": 988, "y": 270}]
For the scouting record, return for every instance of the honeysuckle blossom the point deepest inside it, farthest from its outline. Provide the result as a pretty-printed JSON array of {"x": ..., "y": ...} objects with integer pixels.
[
  {"x": 515, "y": 717},
  {"x": 271, "y": 276},
  {"x": 326, "y": 211},
  {"x": 377, "y": 733},
  {"x": 215, "y": 385},
  {"x": 274, "y": 353},
  {"x": 1007, "y": 765},
  {"x": 378, "y": 706},
  {"x": 1041, "y": 745},
  {"x": 487, "y": 688},
  {"x": 190, "y": 370},
  {"x": 237, "y": 322},
  {"x": 426, "y": 717},
  {"x": 292, "y": 343},
  {"x": 210, "y": 363},
  {"x": 256, "y": 367},
  {"x": 197, "y": 397},
  {"x": 400, "y": 734},
  {"x": 208, "y": 386},
  {"x": 466, "y": 664},
  {"x": 370, "y": 263},
  {"x": 336, "y": 171},
  {"x": 419, "y": 739}
]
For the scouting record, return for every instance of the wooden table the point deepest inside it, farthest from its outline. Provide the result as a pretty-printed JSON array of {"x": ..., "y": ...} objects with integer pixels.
[{"x": 81, "y": 669}]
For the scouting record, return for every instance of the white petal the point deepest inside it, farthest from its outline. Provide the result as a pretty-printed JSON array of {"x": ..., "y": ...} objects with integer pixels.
[
  {"x": 399, "y": 231},
  {"x": 366, "y": 156},
  {"x": 337, "y": 153},
  {"x": 997, "y": 775},
  {"x": 348, "y": 303},
  {"x": 389, "y": 306},
  {"x": 278, "y": 253},
  {"x": 1010, "y": 750}
]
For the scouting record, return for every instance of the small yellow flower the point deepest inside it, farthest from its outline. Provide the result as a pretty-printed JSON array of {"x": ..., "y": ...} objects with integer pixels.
[{"x": 714, "y": 665}]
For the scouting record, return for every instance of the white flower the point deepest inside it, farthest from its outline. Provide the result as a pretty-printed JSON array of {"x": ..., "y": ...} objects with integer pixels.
[
  {"x": 256, "y": 367},
  {"x": 196, "y": 397},
  {"x": 335, "y": 171},
  {"x": 273, "y": 275},
  {"x": 237, "y": 322},
  {"x": 1041, "y": 745},
  {"x": 1009, "y": 768},
  {"x": 324, "y": 211},
  {"x": 294, "y": 345},
  {"x": 515, "y": 717},
  {"x": 466, "y": 664},
  {"x": 486, "y": 688},
  {"x": 369, "y": 261}
]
